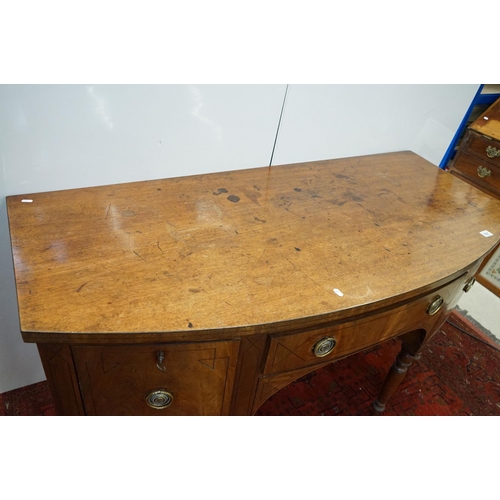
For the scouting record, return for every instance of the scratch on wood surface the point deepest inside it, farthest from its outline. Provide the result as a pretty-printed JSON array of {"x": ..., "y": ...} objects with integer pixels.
[
  {"x": 107, "y": 212},
  {"x": 139, "y": 256},
  {"x": 81, "y": 286}
]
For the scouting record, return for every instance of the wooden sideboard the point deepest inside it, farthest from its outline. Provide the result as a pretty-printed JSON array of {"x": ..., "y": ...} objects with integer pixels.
[{"x": 205, "y": 295}]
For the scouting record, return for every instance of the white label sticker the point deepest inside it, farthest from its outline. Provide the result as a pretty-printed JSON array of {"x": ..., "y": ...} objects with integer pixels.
[
  {"x": 338, "y": 292},
  {"x": 26, "y": 201},
  {"x": 486, "y": 234}
]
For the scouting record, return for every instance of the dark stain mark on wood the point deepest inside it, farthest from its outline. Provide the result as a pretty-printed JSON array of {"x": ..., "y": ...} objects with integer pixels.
[
  {"x": 257, "y": 187},
  {"x": 190, "y": 325},
  {"x": 158, "y": 189},
  {"x": 80, "y": 287},
  {"x": 220, "y": 191},
  {"x": 297, "y": 189},
  {"x": 298, "y": 249},
  {"x": 233, "y": 198}
]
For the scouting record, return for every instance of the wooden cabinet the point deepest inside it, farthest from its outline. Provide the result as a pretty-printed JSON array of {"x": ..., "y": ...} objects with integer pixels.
[
  {"x": 478, "y": 163},
  {"x": 205, "y": 295},
  {"x": 478, "y": 158}
]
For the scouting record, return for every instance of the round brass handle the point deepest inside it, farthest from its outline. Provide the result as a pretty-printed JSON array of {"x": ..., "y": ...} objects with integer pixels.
[
  {"x": 468, "y": 284},
  {"x": 324, "y": 347},
  {"x": 159, "y": 399},
  {"x": 435, "y": 305},
  {"x": 483, "y": 172},
  {"x": 492, "y": 152}
]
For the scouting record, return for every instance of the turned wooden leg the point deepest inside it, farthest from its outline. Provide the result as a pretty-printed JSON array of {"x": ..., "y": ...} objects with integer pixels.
[{"x": 394, "y": 378}]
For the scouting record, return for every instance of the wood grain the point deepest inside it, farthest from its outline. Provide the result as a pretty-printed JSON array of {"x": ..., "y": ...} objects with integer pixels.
[{"x": 244, "y": 250}]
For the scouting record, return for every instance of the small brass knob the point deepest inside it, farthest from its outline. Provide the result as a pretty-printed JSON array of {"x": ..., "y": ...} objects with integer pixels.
[
  {"x": 492, "y": 152},
  {"x": 159, "y": 399},
  {"x": 324, "y": 347},
  {"x": 435, "y": 305},
  {"x": 483, "y": 172},
  {"x": 468, "y": 284}
]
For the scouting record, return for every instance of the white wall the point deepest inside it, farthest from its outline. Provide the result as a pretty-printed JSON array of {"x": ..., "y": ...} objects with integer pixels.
[
  {"x": 337, "y": 121},
  {"x": 57, "y": 137}
]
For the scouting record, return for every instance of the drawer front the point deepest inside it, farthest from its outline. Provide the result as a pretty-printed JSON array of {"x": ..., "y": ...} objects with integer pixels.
[
  {"x": 481, "y": 173},
  {"x": 297, "y": 350},
  {"x": 484, "y": 148},
  {"x": 164, "y": 379}
]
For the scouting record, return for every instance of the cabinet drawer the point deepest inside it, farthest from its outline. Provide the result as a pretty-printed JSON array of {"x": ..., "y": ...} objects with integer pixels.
[
  {"x": 481, "y": 173},
  {"x": 164, "y": 379},
  {"x": 296, "y": 350},
  {"x": 484, "y": 148}
]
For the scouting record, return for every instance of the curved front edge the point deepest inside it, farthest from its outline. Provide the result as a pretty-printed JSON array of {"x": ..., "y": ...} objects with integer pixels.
[
  {"x": 413, "y": 342},
  {"x": 291, "y": 356}
]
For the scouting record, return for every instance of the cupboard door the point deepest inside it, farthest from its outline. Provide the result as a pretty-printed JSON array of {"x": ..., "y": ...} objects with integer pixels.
[{"x": 163, "y": 379}]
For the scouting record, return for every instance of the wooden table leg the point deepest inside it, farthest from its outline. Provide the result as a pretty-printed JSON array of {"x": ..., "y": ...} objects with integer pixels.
[
  {"x": 394, "y": 378},
  {"x": 410, "y": 351}
]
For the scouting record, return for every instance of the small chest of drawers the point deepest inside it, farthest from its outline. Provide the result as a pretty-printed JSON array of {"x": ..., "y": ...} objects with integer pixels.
[
  {"x": 478, "y": 158},
  {"x": 478, "y": 163}
]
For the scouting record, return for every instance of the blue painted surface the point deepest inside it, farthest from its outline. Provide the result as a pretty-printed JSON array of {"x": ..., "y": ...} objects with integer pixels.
[{"x": 479, "y": 100}]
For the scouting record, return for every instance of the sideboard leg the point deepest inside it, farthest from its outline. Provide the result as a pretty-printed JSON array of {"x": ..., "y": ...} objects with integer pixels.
[{"x": 394, "y": 378}]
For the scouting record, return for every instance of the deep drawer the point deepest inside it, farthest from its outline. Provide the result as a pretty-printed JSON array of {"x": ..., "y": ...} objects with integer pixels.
[{"x": 193, "y": 378}]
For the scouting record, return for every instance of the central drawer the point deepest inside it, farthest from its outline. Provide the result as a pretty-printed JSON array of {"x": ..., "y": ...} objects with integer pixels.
[{"x": 298, "y": 350}]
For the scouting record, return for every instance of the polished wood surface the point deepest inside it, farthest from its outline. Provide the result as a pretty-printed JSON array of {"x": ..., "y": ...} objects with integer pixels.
[
  {"x": 238, "y": 249},
  {"x": 218, "y": 289}
]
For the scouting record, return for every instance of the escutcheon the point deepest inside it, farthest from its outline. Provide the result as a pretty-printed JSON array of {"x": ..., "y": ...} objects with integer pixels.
[{"x": 324, "y": 347}]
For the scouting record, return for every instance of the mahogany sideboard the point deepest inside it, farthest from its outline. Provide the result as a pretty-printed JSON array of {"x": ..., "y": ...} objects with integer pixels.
[{"x": 204, "y": 295}]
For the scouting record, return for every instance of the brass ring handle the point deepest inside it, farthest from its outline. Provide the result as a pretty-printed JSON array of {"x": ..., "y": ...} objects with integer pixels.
[
  {"x": 483, "y": 172},
  {"x": 160, "y": 356},
  {"x": 492, "y": 152},
  {"x": 159, "y": 399},
  {"x": 324, "y": 347},
  {"x": 468, "y": 284},
  {"x": 435, "y": 305}
]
